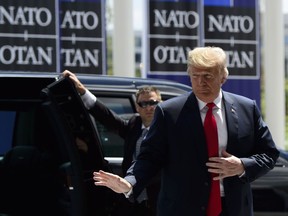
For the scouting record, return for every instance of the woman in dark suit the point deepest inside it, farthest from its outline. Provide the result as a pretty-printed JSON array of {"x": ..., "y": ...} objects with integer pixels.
[{"x": 177, "y": 144}]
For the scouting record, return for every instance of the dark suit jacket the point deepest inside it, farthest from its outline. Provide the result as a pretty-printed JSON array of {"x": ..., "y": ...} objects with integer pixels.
[
  {"x": 176, "y": 144},
  {"x": 130, "y": 130}
]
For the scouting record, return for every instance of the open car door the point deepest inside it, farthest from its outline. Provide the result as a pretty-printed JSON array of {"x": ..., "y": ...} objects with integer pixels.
[
  {"x": 50, "y": 150},
  {"x": 82, "y": 145}
]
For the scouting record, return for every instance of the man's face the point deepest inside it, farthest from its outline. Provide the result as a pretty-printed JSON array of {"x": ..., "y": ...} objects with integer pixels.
[
  {"x": 206, "y": 83},
  {"x": 148, "y": 102}
]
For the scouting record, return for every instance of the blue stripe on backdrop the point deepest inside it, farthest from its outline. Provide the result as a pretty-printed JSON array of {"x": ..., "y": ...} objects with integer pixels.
[
  {"x": 234, "y": 3},
  {"x": 81, "y": 0},
  {"x": 173, "y": 0}
]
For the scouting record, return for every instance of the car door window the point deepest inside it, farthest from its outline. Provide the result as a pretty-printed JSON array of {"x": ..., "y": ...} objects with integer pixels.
[
  {"x": 112, "y": 144},
  {"x": 6, "y": 130}
]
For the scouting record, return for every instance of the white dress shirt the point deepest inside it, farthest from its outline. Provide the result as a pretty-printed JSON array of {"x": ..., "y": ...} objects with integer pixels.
[
  {"x": 219, "y": 114},
  {"x": 88, "y": 99}
]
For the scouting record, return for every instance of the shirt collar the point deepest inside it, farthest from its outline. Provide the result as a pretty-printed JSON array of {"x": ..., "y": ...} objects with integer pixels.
[
  {"x": 217, "y": 102},
  {"x": 143, "y": 127}
]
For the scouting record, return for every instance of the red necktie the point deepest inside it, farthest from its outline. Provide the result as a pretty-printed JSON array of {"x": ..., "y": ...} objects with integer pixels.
[{"x": 210, "y": 127}]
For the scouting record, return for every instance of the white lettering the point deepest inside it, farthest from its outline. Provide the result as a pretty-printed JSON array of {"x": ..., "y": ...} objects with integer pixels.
[
  {"x": 172, "y": 55},
  {"x": 177, "y": 19},
  {"x": 26, "y": 16},
  {"x": 240, "y": 59},
  {"x": 232, "y": 24},
  {"x": 84, "y": 58},
  {"x": 22, "y": 55},
  {"x": 80, "y": 19}
]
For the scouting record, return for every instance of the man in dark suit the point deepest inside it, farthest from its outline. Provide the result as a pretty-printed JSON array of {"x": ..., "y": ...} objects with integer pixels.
[
  {"x": 130, "y": 130},
  {"x": 176, "y": 143}
]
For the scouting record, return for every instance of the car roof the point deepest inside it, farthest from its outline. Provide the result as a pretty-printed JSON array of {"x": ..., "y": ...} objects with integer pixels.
[
  {"x": 132, "y": 83},
  {"x": 92, "y": 81}
]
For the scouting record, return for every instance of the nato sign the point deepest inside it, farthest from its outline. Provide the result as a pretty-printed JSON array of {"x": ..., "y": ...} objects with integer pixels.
[
  {"x": 235, "y": 30},
  {"x": 82, "y": 36},
  {"x": 234, "y": 26},
  {"x": 177, "y": 26},
  {"x": 173, "y": 30},
  {"x": 28, "y": 33},
  {"x": 50, "y": 36}
]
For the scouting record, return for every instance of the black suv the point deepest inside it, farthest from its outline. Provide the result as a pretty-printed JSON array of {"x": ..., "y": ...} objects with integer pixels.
[{"x": 43, "y": 171}]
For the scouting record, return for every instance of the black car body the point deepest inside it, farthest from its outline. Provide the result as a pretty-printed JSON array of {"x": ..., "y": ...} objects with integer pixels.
[
  {"x": 270, "y": 192},
  {"x": 43, "y": 172}
]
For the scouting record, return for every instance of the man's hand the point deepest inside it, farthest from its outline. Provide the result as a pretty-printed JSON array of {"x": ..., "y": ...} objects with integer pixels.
[
  {"x": 114, "y": 182},
  {"x": 79, "y": 86},
  {"x": 225, "y": 166}
]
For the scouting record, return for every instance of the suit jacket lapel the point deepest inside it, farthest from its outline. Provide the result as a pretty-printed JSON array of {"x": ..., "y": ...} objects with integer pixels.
[
  {"x": 135, "y": 134},
  {"x": 231, "y": 120},
  {"x": 197, "y": 135}
]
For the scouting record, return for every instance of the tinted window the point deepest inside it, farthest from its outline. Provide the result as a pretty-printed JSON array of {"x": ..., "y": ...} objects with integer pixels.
[
  {"x": 118, "y": 105},
  {"x": 112, "y": 143},
  {"x": 27, "y": 127},
  {"x": 6, "y": 130}
]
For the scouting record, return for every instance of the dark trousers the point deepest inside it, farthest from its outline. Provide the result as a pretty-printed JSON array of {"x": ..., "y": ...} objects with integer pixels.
[
  {"x": 127, "y": 208},
  {"x": 143, "y": 209},
  {"x": 224, "y": 209}
]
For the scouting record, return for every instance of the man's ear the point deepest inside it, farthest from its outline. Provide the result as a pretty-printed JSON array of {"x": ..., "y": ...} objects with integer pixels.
[{"x": 223, "y": 80}]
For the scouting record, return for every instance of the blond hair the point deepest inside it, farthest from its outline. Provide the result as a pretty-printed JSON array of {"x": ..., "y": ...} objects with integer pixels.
[{"x": 208, "y": 57}]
